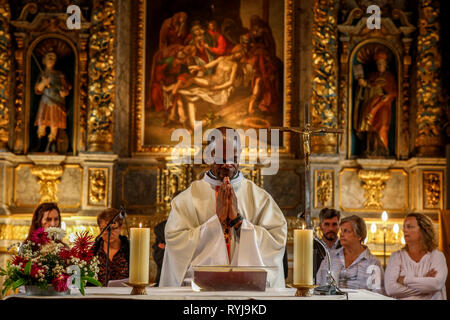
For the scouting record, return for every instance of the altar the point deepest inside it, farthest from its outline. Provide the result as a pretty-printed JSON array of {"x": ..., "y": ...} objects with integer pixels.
[{"x": 186, "y": 293}]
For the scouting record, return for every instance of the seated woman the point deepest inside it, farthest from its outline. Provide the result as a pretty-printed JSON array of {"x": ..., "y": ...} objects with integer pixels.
[
  {"x": 119, "y": 248},
  {"x": 419, "y": 270},
  {"x": 353, "y": 265},
  {"x": 46, "y": 215}
]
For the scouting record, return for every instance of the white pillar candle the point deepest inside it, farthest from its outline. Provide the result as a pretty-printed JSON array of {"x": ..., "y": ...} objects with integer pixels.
[
  {"x": 139, "y": 255},
  {"x": 303, "y": 257}
]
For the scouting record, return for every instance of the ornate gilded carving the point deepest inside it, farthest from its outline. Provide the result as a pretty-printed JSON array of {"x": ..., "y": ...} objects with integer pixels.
[
  {"x": 373, "y": 182},
  {"x": 324, "y": 180},
  {"x": 252, "y": 173},
  {"x": 5, "y": 66},
  {"x": 49, "y": 176},
  {"x": 101, "y": 77},
  {"x": 324, "y": 84},
  {"x": 397, "y": 36},
  {"x": 432, "y": 189},
  {"x": 429, "y": 114},
  {"x": 98, "y": 183},
  {"x": 83, "y": 93},
  {"x": 35, "y": 24},
  {"x": 171, "y": 179}
]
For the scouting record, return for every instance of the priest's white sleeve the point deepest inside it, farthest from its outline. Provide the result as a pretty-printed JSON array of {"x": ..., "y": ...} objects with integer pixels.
[
  {"x": 189, "y": 245},
  {"x": 263, "y": 237}
]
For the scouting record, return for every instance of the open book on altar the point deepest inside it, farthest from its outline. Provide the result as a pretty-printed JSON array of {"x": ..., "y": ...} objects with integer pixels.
[{"x": 230, "y": 278}]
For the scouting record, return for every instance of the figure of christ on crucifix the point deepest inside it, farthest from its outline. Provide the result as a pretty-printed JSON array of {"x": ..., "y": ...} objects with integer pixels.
[{"x": 306, "y": 133}]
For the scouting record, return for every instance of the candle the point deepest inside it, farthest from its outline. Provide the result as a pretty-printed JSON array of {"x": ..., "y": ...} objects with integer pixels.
[
  {"x": 139, "y": 255},
  {"x": 303, "y": 257}
]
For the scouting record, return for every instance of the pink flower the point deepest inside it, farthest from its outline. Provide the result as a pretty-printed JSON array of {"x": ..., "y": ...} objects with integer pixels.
[
  {"x": 39, "y": 236},
  {"x": 60, "y": 283}
]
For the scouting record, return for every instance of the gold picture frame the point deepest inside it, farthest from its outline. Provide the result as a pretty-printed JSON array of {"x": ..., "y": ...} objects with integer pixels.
[{"x": 139, "y": 82}]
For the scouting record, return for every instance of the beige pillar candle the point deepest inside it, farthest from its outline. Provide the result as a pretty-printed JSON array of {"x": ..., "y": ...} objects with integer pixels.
[
  {"x": 139, "y": 255},
  {"x": 303, "y": 257}
]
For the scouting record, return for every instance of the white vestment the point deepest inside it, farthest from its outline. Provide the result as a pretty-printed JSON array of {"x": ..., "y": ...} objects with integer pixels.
[{"x": 194, "y": 235}]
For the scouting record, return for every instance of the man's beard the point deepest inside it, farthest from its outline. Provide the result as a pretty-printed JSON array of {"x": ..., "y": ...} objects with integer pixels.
[{"x": 334, "y": 236}]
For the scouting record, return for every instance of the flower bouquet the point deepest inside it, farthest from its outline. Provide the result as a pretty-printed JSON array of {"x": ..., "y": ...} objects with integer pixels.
[{"x": 47, "y": 262}]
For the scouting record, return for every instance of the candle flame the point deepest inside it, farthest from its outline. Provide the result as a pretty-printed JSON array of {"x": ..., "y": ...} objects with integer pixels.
[
  {"x": 140, "y": 224},
  {"x": 396, "y": 228},
  {"x": 373, "y": 227},
  {"x": 303, "y": 227},
  {"x": 384, "y": 216}
]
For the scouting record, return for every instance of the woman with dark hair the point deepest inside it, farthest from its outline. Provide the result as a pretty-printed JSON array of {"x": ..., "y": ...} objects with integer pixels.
[
  {"x": 419, "y": 270},
  {"x": 119, "y": 248},
  {"x": 46, "y": 215}
]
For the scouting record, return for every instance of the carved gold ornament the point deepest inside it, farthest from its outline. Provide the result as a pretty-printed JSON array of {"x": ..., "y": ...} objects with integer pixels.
[
  {"x": 324, "y": 188},
  {"x": 373, "y": 182},
  {"x": 5, "y": 63},
  {"x": 432, "y": 189},
  {"x": 429, "y": 114},
  {"x": 97, "y": 186},
  {"x": 49, "y": 176},
  {"x": 101, "y": 77},
  {"x": 324, "y": 84}
]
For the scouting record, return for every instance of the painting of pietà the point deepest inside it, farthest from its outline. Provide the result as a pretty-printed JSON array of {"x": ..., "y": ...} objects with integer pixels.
[{"x": 219, "y": 62}]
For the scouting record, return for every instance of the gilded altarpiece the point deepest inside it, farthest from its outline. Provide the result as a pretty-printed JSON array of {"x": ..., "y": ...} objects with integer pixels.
[{"x": 352, "y": 173}]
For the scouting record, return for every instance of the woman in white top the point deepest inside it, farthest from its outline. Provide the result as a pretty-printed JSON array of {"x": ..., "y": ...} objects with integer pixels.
[
  {"x": 419, "y": 270},
  {"x": 352, "y": 265}
]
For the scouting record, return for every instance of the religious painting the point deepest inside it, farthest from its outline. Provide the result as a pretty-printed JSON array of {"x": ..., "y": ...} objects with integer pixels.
[
  {"x": 218, "y": 62},
  {"x": 374, "y": 101},
  {"x": 51, "y": 99}
]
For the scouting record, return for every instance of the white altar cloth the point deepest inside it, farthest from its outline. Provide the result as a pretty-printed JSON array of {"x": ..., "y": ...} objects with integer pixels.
[{"x": 186, "y": 293}]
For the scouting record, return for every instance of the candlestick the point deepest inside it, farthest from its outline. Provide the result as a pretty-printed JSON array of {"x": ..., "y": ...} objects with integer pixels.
[
  {"x": 303, "y": 257},
  {"x": 139, "y": 255}
]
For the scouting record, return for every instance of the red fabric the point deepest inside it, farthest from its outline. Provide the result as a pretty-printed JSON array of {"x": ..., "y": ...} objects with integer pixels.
[
  {"x": 220, "y": 47},
  {"x": 266, "y": 70},
  {"x": 165, "y": 75}
]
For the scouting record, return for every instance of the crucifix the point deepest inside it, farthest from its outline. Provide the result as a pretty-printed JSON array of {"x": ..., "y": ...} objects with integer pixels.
[{"x": 306, "y": 133}]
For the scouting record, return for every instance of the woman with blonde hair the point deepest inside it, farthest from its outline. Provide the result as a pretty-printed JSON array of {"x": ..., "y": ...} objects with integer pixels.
[{"x": 419, "y": 270}]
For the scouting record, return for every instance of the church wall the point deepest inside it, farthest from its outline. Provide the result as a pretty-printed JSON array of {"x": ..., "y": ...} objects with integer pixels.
[{"x": 144, "y": 182}]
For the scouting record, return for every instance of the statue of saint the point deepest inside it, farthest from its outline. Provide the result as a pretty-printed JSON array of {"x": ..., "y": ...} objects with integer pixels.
[
  {"x": 373, "y": 105},
  {"x": 54, "y": 88}
]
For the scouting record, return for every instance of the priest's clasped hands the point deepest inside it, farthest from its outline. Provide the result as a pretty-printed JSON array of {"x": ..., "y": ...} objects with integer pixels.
[{"x": 226, "y": 205}]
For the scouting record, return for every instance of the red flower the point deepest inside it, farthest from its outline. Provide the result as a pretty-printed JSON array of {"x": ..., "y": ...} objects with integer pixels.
[
  {"x": 84, "y": 241},
  {"x": 60, "y": 283},
  {"x": 65, "y": 254},
  {"x": 17, "y": 260},
  {"x": 39, "y": 236},
  {"x": 85, "y": 255},
  {"x": 34, "y": 272},
  {"x": 82, "y": 247}
]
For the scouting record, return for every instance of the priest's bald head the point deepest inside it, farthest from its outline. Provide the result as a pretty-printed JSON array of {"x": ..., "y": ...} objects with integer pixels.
[{"x": 224, "y": 148}]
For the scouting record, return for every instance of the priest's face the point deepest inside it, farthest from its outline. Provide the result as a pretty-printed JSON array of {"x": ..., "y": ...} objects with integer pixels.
[
  {"x": 228, "y": 167},
  {"x": 330, "y": 228}
]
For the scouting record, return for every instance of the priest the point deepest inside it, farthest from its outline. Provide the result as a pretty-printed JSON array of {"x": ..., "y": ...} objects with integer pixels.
[{"x": 223, "y": 219}]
